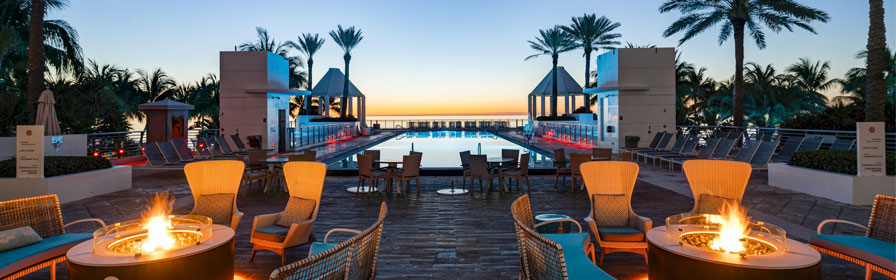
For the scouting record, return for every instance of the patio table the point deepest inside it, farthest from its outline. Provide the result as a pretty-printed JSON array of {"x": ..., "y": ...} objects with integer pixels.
[
  {"x": 392, "y": 164},
  {"x": 499, "y": 161},
  {"x": 271, "y": 162}
]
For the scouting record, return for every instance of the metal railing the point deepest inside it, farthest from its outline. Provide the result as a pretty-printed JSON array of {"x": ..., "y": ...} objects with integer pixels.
[
  {"x": 754, "y": 133},
  {"x": 575, "y": 133},
  {"x": 307, "y": 135},
  {"x": 449, "y": 124},
  {"x": 121, "y": 144}
]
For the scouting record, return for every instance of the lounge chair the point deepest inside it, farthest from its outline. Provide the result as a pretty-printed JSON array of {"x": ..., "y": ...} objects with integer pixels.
[
  {"x": 657, "y": 137},
  {"x": 410, "y": 170},
  {"x": 202, "y": 148},
  {"x": 706, "y": 152},
  {"x": 354, "y": 258},
  {"x": 215, "y": 185},
  {"x": 724, "y": 148},
  {"x": 180, "y": 145},
  {"x": 211, "y": 145},
  {"x": 225, "y": 147},
  {"x": 43, "y": 215},
  {"x": 686, "y": 150},
  {"x": 154, "y": 156},
  {"x": 715, "y": 183},
  {"x": 791, "y": 145},
  {"x": 169, "y": 152},
  {"x": 763, "y": 154},
  {"x": 240, "y": 146},
  {"x": 679, "y": 143},
  {"x": 479, "y": 170},
  {"x": 747, "y": 150},
  {"x": 575, "y": 162},
  {"x": 613, "y": 223},
  {"x": 811, "y": 144},
  {"x": 876, "y": 250},
  {"x": 552, "y": 255},
  {"x": 842, "y": 144},
  {"x": 518, "y": 173}
]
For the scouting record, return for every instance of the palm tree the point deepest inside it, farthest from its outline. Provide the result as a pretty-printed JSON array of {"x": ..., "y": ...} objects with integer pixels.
[
  {"x": 877, "y": 55},
  {"x": 35, "y": 57},
  {"x": 735, "y": 16},
  {"x": 812, "y": 77},
  {"x": 591, "y": 32},
  {"x": 855, "y": 82},
  {"x": 553, "y": 41},
  {"x": 308, "y": 45},
  {"x": 347, "y": 39},
  {"x": 631, "y": 45}
]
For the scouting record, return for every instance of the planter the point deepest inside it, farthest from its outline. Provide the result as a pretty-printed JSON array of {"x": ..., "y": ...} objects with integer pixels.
[
  {"x": 70, "y": 187},
  {"x": 840, "y": 187}
]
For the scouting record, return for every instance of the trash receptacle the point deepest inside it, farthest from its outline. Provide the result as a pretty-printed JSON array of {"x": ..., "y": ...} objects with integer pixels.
[
  {"x": 631, "y": 141},
  {"x": 254, "y": 141}
]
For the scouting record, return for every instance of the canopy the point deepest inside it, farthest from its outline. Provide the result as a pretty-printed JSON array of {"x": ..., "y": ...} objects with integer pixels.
[
  {"x": 46, "y": 113},
  {"x": 566, "y": 85},
  {"x": 332, "y": 83}
]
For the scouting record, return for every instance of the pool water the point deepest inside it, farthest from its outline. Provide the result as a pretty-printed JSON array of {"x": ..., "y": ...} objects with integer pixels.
[{"x": 441, "y": 149}]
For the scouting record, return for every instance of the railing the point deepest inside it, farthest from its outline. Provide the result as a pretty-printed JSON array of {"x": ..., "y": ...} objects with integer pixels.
[
  {"x": 449, "y": 124},
  {"x": 127, "y": 143},
  {"x": 575, "y": 133},
  {"x": 307, "y": 135},
  {"x": 754, "y": 133}
]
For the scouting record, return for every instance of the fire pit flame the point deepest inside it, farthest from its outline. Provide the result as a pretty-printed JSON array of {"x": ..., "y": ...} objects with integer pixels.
[
  {"x": 732, "y": 229},
  {"x": 732, "y": 232},
  {"x": 158, "y": 225}
]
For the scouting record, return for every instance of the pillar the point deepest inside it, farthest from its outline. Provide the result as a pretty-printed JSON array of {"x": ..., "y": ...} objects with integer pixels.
[
  {"x": 542, "y": 106},
  {"x": 573, "y": 108},
  {"x": 566, "y": 104},
  {"x": 326, "y": 105},
  {"x": 364, "y": 110},
  {"x": 529, "y": 105},
  {"x": 348, "y": 110}
]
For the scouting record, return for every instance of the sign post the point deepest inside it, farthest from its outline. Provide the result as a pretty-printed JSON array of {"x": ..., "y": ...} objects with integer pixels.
[
  {"x": 871, "y": 149},
  {"x": 30, "y": 151}
]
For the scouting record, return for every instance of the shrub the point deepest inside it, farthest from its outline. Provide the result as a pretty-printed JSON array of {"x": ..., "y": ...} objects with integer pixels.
[
  {"x": 348, "y": 118},
  {"x": 835, "y": 161},
  {"x": 55, "y": 166},
  {"x": 557, "y": 118}
]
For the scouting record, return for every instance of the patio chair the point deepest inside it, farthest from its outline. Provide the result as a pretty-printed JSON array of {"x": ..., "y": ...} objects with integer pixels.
[
  {"x": 240, "y": 146},
  {"x": 575, "y": 161},
  {"x": 518, "y": 173},
  {"x": 613, "y": 223},
  {"x": 413, "y": 153},
  {"x": 686, "y": 150},
  {"x": 876, "y": 250},
  {"x": 180, "y": 145},
  {"x": 367, "y": 172},
  {"x": 225, "y": 147},
  {"x": 479, "y": 169},
  {"x": 791, "y": 145},
  {"x": 679, "y": 143},
  {"x": 811, "y": 144},
  {"x": 202, "y": 148},
  {"x": 747, "y": 150},
  {"x": 715, "y": 183},
  {"x": 215, "y": 185},
  {"x": 465, "y": 167},
  {"x": 410, "y": 170},
  {"x": 705, "y": 153},
  {"x": 763, "y": 154},
  {"x": 842, "y": 144},
  {"x": 657, "y": 137},
  {"x": 552, "y": 255},
  {"x": 43, "y": 215},
  {"x": 375, "y": 157},
  {"x": 212, "y": 146},
  {"x": 256, "y": 167},
  {"x": 169, "y": 152},
  {"x": 293, "y": 226},
  {"x": 562, "y": 166},
  {"x": 724, "y": 148},
  {"x": 625, "y": 156},
  {"x": 601, "y": 154},
  {"x": 510, "y": 153},
  {"x": 154, "y": 156},
  {"x": 354, "y": 258}
]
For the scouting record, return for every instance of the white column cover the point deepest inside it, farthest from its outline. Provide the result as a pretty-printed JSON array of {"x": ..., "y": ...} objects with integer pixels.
[
  {"x": 573, "y": 108},
  {"x": 542, "y": 106},
  {"x": 566, "y": 104}
]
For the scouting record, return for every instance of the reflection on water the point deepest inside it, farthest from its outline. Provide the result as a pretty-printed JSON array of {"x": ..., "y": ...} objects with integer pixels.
[{"x": 441, "y": 149}]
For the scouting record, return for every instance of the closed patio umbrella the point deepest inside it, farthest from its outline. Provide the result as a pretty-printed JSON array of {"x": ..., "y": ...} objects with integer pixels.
[{"x": 46, "y": 113}]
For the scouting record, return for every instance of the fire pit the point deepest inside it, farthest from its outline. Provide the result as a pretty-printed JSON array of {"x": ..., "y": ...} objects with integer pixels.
[
  {"x": 727, "y": 246},
  {"x": 157, "y": 246}
]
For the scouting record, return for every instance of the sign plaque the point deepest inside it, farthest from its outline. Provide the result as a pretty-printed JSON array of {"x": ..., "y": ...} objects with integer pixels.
[
  {"x": 30, "y": 151},
  {"x": 871, "y": 149}
]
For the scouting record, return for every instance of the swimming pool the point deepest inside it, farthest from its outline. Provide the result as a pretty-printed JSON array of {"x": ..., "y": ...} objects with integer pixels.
[{"x": 441, "y": 149}]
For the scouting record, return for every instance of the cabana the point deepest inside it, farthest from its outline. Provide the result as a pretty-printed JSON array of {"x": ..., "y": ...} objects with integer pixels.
[
  {"x": 567, "y": 88},
  {"x": 331, "y": 85}
]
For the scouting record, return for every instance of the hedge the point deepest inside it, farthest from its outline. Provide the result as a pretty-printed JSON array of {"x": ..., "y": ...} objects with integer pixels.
[
  {"x": 55, "y": 166},
  {"x": 835, "y": 161}
]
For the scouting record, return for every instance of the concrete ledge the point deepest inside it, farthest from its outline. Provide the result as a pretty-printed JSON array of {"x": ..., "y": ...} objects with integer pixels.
[
  {"x": 835, "y": 186},
  {"x": 69, "y": 187}
]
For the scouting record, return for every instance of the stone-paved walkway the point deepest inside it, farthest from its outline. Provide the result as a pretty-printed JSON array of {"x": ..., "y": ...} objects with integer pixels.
[{"x": 473, "y": 232}]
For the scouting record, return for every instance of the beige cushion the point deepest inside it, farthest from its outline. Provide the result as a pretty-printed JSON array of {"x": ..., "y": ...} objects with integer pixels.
[
  {"x": 218, "y": 207},
  {"x": 610, "y": 210},
  {"x": 711, "y": 204},
  {"x": 297, "y": 209}
]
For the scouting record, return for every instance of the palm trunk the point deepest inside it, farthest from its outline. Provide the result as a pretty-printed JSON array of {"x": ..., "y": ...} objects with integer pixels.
[
  {"x": 554, "y": 90},
  {"x": 876, "y": 61},
  {"x": 35, "y": 77},
  {"x": 342, "y": 103},
  {"x": 587, "y": 97},
  {"x": 308, "y": 97},
  {"x": 737, "y": 113}
]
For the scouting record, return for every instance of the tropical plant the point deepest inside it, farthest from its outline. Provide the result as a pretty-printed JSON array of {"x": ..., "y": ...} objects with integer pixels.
[
  {"x": 854, "y": 83},
  {"x": 347, "y": 39},
  {"x": 590, "y": 33},
  {"x": 204, "y": 96},
  {"x": 553, "y": 42},
  {"x": 877, "y": 61},
  {"x": 630, "y": 45},
  {"x": 736, "y": 16},
  {"x": 308, "y": 45}
]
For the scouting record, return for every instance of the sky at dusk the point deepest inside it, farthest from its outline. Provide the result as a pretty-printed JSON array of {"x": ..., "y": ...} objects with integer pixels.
[{"x": 427, "y": 57}]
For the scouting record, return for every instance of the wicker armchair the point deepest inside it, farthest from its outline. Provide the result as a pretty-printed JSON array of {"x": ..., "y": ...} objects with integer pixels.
[
  {"x": 715, "y": 183},
  {"x": 214, "y": 177},
  {"x": 304, "y": 180},
  {"x": 613, "y": 223},
  {"x": 42, "y": 214},
  {"x": 354, "y": 258},
  {"x": 875, "y": 251}
]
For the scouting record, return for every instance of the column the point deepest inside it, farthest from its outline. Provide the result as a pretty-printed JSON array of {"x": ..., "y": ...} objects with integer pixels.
[
  {"x": 573, "y": 108},
  {"x": 566, "y": 104},
  {"x": 542, "y": 106},
  {"x": 364, "y": 109},
  {"x": 326, "y": 104},
  {"x": 349, "y": 108},
  {"x": 529, "y": 105}
]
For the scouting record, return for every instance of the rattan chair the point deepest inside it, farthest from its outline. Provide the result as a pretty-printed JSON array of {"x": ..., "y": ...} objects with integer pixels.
[
  {"x": 562, "y": 166},
  {"x": 256, "y": 168},
  {"x": 519, "y": 173},
  {"x": 601, "y": 154},
  {"x": 304, "y": 180},
  {"x": 465, "y": 167},
  {"x": 510, "y": 153},
  {"x": 368, "y": 173},
  {"x": 613, "y": 223},
  {"x": 868, "y": 250},
  {"x": 480, "y": 170},
  {"x": 575, "y": 161},
  {"x": 410, "y": 170},
  {"x": 354, "y": 258},
  {"x": 43, "y": 215},
  {"x": 715, "y": 183},
  {"x": 216, "y": 177}
]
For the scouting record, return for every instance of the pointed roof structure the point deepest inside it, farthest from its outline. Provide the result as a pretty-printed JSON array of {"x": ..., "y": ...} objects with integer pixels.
[
  {"x": 566, "y": 85},
  {"x": 331, "y": 85},
  {"x": 165, "y": 104}
]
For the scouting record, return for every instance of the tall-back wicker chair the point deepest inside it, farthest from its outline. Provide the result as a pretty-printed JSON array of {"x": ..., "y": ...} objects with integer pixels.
[
  {"x": 278, "y": 231},
  {"x": 210, "y": 182},
  {"x": 613, "y": 223},
  {"x": 715, "y": 182},
  {"x": 876, "y": 250},
  {"x": 354, "y": 258},
  {"x": 43, "y": 215}
]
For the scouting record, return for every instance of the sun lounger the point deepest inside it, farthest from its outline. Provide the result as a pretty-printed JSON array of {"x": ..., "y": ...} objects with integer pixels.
[
  {"x": 842, "y": 144},
  {"x": 154, "y": 156},
  {"x": 659, "y": 136},
  {"x": 169, "y": 152},
  {"x": 747, "y": 150},
  {"x": 705, "y": 153},
  {"x": 790, "y": 146},
  {"x": 763, "y": 154},
  {"x": 225, "y": 147},
  {"x": 240, "y": 146},
  {"x": 811, "y": 144},
  {"x": 679, "y": 142},
  {"x": 202, "y": 148},
  {"x": 180, "y": 145},
  {"x": 687, "y": 149},
  {"x": 724, "y": 148}
]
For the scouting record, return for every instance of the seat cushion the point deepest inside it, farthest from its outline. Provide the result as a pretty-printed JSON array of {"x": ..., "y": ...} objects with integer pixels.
[
  {"x": 272, "y": 233},
  {"x": 877, "y": 252},
  {"x": 51, "y": 247},
  {"x": 297, "y": 209},
  {"x": 610, "y": 209},
  {"x": 711, "y": 204},
  {"x": 624, "y": 234},
  {"x": 218, "y": 207},
  {"x": 318, "y": 247},
  {"x": 578, "y": 266},
  {"x": 17, "y": 238}
]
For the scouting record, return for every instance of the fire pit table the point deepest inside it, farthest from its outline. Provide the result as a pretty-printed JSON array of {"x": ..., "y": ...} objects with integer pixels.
[
  {"x": 700, "y": 247},
  {"x": 179, "y": 247}
]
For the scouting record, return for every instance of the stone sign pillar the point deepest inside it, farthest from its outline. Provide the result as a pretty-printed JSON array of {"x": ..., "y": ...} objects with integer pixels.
[
  {"x": 166, "y": 120},
  {"x": 871, "y": 149}
]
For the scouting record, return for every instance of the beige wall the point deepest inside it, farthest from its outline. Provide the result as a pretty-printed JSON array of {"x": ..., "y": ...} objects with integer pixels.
[{"x": 251, "y": 113}]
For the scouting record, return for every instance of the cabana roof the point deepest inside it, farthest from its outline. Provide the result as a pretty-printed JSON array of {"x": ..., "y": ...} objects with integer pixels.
[
  {"x": 566, "y": 85},
  {"x": 331, "y": 85}
]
